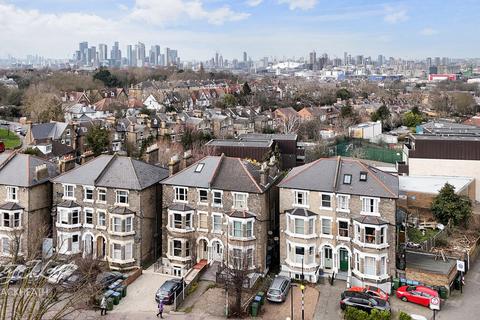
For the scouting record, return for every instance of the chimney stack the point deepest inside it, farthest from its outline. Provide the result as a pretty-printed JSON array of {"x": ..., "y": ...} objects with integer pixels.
[
  {"x": 66, "y": 164},
  {"x": 264, "y": 173},
  {"x": 41, "y": 172},
  {"x": 187, "y": 159},
  {"x": 173, "y": 165}
]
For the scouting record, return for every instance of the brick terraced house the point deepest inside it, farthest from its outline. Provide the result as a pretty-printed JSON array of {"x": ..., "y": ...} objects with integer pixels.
[
  {"x": 220, "y": 209},
  {"x": 107, "y": 208},
  {"x": 337, "y": 216}
]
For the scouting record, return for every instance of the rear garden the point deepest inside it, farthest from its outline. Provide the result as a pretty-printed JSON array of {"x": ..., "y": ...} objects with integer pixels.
[{"x": 10, "y": 139}]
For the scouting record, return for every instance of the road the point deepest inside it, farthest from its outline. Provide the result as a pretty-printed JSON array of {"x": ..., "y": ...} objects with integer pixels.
[
  {"x": 464, "y": 306},
  {"x": 12, "y": 126}
]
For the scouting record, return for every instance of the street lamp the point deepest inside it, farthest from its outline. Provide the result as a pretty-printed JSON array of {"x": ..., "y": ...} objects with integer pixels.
[{"x": 302, "y": 287}]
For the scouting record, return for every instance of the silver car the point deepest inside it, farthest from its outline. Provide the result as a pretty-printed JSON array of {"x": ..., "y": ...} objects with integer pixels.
[{"x": 279, "y": 288}]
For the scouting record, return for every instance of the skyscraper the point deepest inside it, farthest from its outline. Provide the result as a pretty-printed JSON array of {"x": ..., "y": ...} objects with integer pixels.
[
  {"x": 116, "y": 54},
  {"x": 313, "y": 57},
  {"x": 140, "y": 47},
  {"x": 345, "y": 58},
  {"x": 245, "y": 57},
  {"x": 102, "y": 52},
  {"x": 83, "y": 48},
  {"x": 129, "y": 55},
  {"x": 216, "y": 59}
]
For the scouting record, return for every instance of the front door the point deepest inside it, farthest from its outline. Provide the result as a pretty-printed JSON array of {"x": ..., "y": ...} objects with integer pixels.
[
  {"x": 327, "y": 256},
  {"x": 217, "y": 251},
  {"x": 343, "y": 257}
]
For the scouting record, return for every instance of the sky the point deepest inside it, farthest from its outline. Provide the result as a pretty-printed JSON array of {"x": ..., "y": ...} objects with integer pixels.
[{"x": 408, "y": 29}]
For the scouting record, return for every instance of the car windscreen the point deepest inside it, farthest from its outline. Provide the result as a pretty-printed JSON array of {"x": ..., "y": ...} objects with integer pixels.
[{"x": 274, "y": 292}]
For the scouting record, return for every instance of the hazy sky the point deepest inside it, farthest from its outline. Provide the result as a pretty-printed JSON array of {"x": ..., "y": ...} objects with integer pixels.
[{"x": 274, "y": 28}]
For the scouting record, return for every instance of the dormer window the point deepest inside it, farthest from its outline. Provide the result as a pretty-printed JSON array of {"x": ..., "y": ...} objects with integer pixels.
[
  {"x": 363, "y": 176},
  {"x": 347, "y": 179}
]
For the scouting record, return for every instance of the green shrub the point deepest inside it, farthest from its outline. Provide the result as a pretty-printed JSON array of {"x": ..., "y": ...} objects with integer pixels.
[
  {"x": 404, "y": 316},
  {"x": 356, "y": 314}
]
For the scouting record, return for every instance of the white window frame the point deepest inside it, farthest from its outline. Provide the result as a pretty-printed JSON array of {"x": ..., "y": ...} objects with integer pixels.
[
  {"x": 331, "y": 195},
  {"x": 216, "y": 214},
  {"x": 323, "y": 235},
  {"x": 118, "y": 195},
  {"x": 291, "y": 229},
  {"x": 5, "y": 240},
  {"x": 11, "y": 220},
  {"x": 361, "y": 241},
  {"x": 12, "y": 194},
  {"x": 101, "y": 191},
  {"x": 85, "y": 224},
  {"x": 377, "y": 257},
  {"x": 339, "y": 237},
  {"x": 66, "y": 192},
  {"x": 63, "y": 240},
  {"x": 202, "y": 213},
  {"x": 376, "y": 206},
  {"x": 309, "y": 259},
  {"x": 99, "y": 224},
  {"x": 200, "y": 202},
  {"x": 185, "y": 227},
  {"x": 177, "y": 194},
  {"x": 243, "y": 250},
  {"x": 339, "y": 202},
  {"x": 217, "y": 205},
  {"x": 127, "y": 247},
  {"x": 183, "y": 249},
  {"x": 88, "y": 188},
  {"x": 243, "y": 228},
  {"x": 67, "y": 213},
  {"x": 305, "y": 198},
  {"x": 123, "y": 224},
  {"x": 236, "y": 201}
]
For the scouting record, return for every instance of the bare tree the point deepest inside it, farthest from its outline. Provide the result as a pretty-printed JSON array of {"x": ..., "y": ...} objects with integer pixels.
[{"x": 289, "y": 124}]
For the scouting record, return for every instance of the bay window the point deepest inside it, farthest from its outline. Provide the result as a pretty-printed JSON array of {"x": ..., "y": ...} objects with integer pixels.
[
  {"x": 241, "y": 228},
  {"x": 68, "y": 218},
  {"x": 10, "y": 219},
  {"x": 370, "y": 266},
  {"x": 180, "y": 221},
  {"x": 121, "y": 252},
  {"x": 299, "y": 226},
  {"x": 121, "y": 224}
]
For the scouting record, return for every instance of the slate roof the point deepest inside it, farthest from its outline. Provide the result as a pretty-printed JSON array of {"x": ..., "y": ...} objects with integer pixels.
[
  {"x": 180, "y": 207},
  {"x": 11, "y": 206},
  {"x": 68, "y": 204},
  {"x": 80, "y": 108},
  {"x": 51, "y": 130},
  {"x": 223, "y": 173},
  {"x": 18, "y": 169},
  {"x": 370, "y": 220},
  {"x": 241, "y": 214},
  {"x": 327, "y": 175},
  {"x": 121, "y": 210},
  {"x": 115, "y": 172},
  {"x": 302, "y": 212}
]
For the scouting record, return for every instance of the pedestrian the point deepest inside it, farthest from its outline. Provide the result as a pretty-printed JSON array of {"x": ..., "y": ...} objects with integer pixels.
[
  {"x": 160, "y": 309},
  {"x": 103, "y": 306}
]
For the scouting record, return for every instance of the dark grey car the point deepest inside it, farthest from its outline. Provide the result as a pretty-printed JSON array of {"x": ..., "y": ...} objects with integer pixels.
[{"x": 279, "y": 288}]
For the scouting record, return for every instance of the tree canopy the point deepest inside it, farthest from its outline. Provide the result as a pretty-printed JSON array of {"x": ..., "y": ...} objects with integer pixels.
[
  {"x": 343, "y": 94},
  {"x": 448, "y": 205},
  {"x": 97, "y": 139},
  {"x": 108, "y": 79}
]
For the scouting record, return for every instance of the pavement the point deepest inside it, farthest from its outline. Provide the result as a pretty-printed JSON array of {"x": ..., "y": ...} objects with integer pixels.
[
  {"x": 280, "y": 311},
  {"x": 464, "y": 305}
]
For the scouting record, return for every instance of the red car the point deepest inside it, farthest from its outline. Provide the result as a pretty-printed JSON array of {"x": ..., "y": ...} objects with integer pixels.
[
  {"x": 371, "y": 291},
  {"x": 417, "y": 294}
]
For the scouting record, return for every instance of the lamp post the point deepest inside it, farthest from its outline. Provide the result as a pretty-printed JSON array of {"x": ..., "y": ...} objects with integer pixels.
[
  {"x": 291, "y": 299},
  {"x": 302, "y": 287}
]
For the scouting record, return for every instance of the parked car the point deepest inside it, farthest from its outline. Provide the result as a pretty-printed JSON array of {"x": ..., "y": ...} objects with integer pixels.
[
  {"x": 6, "y": 272},
  {"x": 61, "y": 273},
  {"x": 21, "y": 131},
  {"x": 279, "y": 288},
  {"x": 369, "y": 290},
  {"x": 417, "y": 294},
  {"x": 18, "y": 274},
  {"x": 169, "y": 290},
  {"x": 35, "y": 273},
  {"x": 105, "y": 279},
  {"x": 365, "y": 304}
]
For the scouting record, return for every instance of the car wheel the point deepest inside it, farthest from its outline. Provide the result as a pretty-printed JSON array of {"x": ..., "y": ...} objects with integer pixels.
[{"x": 404, "y": 299}]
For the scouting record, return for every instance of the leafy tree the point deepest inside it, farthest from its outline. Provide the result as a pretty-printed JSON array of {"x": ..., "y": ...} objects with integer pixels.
[
  {"x": 108, "y": 79},
  {"x": 404, "y": 316},
  {"x": 382, "y": 114},
  {"x": 415, "y": 110},
  {"x": 98, "y": 139},
  {"x": 343, "y": 94},
  {"x": 42, "y": 104},
  {"x": 246, "y": 89},
  {"x": 356, "y": 314},
  {"x": 347, "y": 111},
  {"x": 229, "y": 100},
  {"x": 411, "y": 119},
  {"x": 448, "y": 205}
]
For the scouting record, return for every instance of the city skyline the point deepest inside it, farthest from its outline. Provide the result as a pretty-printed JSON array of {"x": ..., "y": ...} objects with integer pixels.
[{"x": 273, "y": 28}]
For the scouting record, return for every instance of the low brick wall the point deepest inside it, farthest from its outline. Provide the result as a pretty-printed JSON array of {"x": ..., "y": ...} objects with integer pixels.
[{"x": 133, "y": 276}]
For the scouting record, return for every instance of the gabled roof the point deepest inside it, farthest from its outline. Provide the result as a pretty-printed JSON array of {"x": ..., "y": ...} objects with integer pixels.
[
  {"x": 18, "y": 169},
  {"x": 115, "y": 172},
  {"x": 50, "y": 130},
  {"x": 327, "y": 175},
  {"x": 223, "y": 173}
]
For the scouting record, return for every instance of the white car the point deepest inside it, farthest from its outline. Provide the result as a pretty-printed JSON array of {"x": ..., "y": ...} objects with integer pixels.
[{"x": 61, "y": 273}]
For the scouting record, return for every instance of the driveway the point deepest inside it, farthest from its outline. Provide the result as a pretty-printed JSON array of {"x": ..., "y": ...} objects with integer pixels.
[{"x": 280, "y": 311}]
